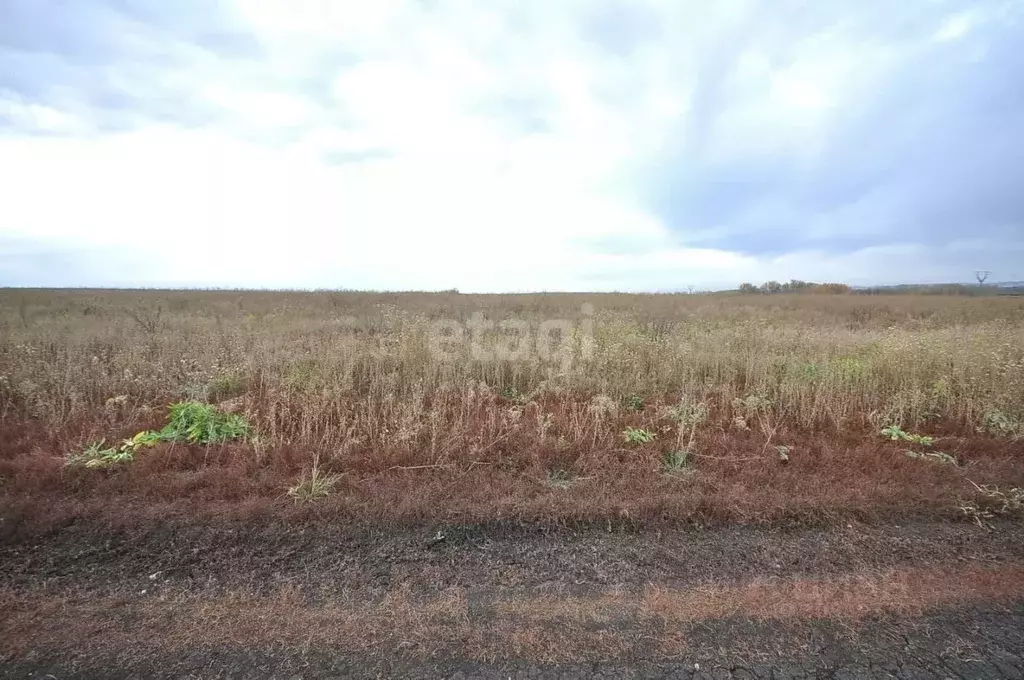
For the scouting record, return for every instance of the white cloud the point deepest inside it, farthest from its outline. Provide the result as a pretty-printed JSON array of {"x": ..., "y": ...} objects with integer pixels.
[
  {"x": 956, "y": 26},
  {"x": 37, "y": 118},
  {"x": 225, "y": 211},
  {"x": 484, "y": 146}
]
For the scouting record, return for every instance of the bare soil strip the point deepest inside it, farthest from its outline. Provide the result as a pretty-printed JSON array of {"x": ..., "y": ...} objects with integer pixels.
[
  {"x": 482, "y": 601},
  {"x": 324, "y": 557},
  {"x": 611, "y": 624},
  {"x": 952, "y": 643},
  {"x": 960, "y": 643}
]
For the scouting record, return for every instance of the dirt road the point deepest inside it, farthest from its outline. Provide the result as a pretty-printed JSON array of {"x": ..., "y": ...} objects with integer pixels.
[{"x": 928, "y": 599}]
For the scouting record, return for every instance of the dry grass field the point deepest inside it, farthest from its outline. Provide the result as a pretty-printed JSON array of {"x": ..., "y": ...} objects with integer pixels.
[
  {"x": 257, "y": 482},
  {"x": 650, "y": 407}
]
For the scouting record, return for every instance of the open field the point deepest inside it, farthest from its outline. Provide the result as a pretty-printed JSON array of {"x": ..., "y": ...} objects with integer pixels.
[
  {"x": 350, "y": 380},
  {"x": 440, "y": 483}
]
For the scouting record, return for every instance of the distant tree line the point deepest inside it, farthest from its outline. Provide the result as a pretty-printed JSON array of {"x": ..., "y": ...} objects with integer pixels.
[
  {"x": 795, "y": 286},
  {"x": 943, "y": 289}
]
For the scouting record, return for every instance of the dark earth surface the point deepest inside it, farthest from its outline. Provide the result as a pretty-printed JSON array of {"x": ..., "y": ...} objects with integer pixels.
[
  {"x": 967, "y": 643},
  {"x": 965, "y": 640},
  {"x": 261, "y": 558}
]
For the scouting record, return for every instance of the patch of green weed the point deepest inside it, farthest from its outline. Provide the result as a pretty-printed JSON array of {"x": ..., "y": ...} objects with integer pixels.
[
  {"x": 197, "y": 423},
  {"x": 1001, "y": 424},
  {"x": 634, "y": 402},
  {"x": 98, "y": 456},
  {"x": 897, "y": 434},
  {"x": 809, "y": 372},
  {"x": 676, "y": 462},
  {"x": 190, "y": 422},
  {"x": 638, "y": 435},
  {"x": 225, "y": 386}
]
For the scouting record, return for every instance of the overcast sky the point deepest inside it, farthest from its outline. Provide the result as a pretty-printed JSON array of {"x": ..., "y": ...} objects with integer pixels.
[{"x": 509, "y": 145}]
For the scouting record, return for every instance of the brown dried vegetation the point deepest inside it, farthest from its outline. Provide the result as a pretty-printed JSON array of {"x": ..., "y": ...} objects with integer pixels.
[
  {"x": 349, "y": 379},
  {"x": 652, "y": 623}
]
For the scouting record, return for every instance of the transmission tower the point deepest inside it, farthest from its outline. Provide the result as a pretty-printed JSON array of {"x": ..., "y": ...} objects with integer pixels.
[{"x": 981, "y": 275}]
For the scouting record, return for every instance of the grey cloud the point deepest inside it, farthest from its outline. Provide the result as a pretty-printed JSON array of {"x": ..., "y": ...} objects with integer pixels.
[
  {"x": 620, "y": 27},
  {"x": 26, "y": 261},
  {"x": 201, "y": 23},
  {"x": 89, "y": 33},
  {"x": 104, "y": 32},
  {"x": 929, "y": 157},
  {"x": 882, "y": 265},
  {"x": 115, "y": 64}
]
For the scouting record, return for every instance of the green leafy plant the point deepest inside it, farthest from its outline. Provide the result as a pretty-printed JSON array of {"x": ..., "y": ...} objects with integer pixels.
[
  {"x": 676, "y": 462},
  {"x": 96, "y": 456},
  {"x": 896, "y": 434},
  {"x": 751, "y": 405},
  {"x": 810, "y": 371},
  {"x": 1001, "y": 424},
  {"x": 198, "y": 423},
  {"x": 225, "y": 386},
  {"x": 688, "y": 415},
  {"x": 189, "y": 422},
  {"x": 144, "y": 438},
  {"x": 634, "y": 402},
  {"x": 638, "y": 435}
]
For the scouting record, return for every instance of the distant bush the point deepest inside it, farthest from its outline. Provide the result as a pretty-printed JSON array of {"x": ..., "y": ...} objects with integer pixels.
[
  {"x": 795, "y": 286},
  {"x": 931, "y": 289}
]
